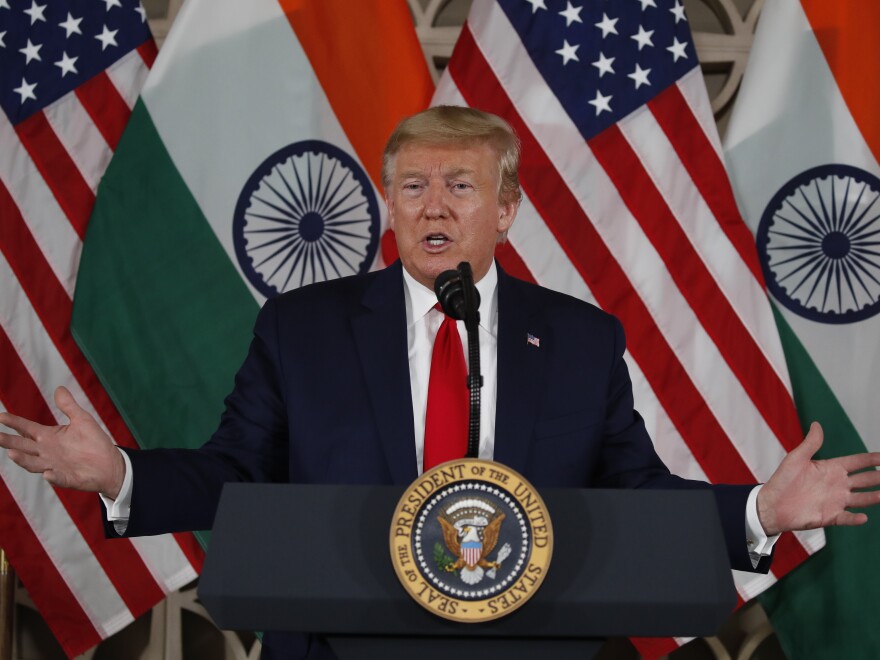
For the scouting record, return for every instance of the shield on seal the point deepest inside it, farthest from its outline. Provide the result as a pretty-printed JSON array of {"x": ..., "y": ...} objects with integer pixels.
[{"x": 471, "y": 551}]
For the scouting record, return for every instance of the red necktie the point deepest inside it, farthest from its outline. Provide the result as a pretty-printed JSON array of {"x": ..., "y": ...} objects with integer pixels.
[{"x": 446, "y": 419}]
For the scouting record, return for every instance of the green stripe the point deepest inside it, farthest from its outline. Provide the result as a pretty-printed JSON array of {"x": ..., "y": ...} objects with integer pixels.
[
  {"x": 160, "y": 312},
  {"x": 825, "y": 609}
]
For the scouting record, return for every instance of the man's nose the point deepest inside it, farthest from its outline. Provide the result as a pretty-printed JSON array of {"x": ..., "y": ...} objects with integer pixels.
[{"x": 435, "y": 201}]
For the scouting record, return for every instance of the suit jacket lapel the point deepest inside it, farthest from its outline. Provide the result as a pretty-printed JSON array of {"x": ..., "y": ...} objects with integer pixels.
[
  {"x": 520, "y": 372},
  {"x": 380, "y": 334}
]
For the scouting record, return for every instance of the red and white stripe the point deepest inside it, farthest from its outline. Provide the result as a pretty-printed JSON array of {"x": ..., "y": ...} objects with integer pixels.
[
  {"x": 471, "y": 555},
  {"x": 641, "y": 220},
  {"x": 50, "y": 165}
]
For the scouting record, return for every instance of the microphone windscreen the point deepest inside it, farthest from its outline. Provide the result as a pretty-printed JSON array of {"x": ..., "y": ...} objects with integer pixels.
[{"x": 450, "y": 293}]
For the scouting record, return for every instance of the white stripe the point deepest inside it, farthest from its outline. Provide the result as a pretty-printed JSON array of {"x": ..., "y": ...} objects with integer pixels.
[
  {"x": 812, "y": 540},
  {"x": 544, "y": 256},
  {"x": 749, "y": 585},
  {"x": 80, "y": 137},
  {"x": 65, "y": 547},
  {"x": 729, "y": 272},
  {"x": 32, "y": 343},
  {"x": 625, "y": 239},
  {"x": 128, "y": 75},
  {"x": 693, "y": 88},
  {"x": 161, "y": 555},
  {"x": 165, "y": 561},
  {"x": 48, "y": 224}
]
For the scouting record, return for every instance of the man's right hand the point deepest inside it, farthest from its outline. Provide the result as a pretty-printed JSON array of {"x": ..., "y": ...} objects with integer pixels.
[{"x": 78, "y": 455}]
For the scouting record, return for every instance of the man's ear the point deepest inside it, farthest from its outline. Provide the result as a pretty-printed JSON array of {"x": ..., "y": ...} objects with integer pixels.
[{"x": 508, "y": 215}]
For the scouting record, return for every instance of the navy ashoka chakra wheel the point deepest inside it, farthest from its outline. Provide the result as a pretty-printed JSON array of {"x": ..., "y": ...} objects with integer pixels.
[
  {"x": 818, "y": 242},
  {"x": 308, "y": 213}
]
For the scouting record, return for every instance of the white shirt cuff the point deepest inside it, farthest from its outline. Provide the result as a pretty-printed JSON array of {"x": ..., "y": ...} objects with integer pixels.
[
  {"x": 759, "y": 544},
  {"x": 118, "y": 510}
]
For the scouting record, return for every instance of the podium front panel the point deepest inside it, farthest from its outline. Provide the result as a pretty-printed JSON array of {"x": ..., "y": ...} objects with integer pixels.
[{"x": 316, "y": 559}]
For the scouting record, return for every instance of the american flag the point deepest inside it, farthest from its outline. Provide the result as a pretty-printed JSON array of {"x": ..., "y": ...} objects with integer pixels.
[
  {"x": 628, "y": 206},
  {"x": 70, "y": 73}
]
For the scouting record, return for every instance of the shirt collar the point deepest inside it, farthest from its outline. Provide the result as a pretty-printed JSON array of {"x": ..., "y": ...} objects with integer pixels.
[{"x": 420, "y": 299}]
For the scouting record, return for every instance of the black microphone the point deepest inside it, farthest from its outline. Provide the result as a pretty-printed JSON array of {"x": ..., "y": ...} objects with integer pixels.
[{"x": 450, "y": 289}]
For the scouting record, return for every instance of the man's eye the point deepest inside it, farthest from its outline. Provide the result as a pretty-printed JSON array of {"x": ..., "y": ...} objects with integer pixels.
[{"x": 460, "y": 186}]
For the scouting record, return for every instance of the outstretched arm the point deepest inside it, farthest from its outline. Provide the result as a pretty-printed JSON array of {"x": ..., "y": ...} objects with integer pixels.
[
  {"x": 77, "y": 455},
  {"x": 806, "y": 494}
]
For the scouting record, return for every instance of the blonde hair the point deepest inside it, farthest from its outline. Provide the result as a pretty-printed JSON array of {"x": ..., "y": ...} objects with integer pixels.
[{"x": 445, "y": 124}]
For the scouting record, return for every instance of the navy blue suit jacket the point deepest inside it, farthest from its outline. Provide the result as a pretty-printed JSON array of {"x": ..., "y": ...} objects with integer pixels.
[{"x": 324, "y": 397}]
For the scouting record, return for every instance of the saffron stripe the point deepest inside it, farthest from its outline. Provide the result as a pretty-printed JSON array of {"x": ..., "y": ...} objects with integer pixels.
[
  {"x": 105, "y": 106},
  {"x": 385, "y": 57},
  {"x": 706, "y": 169},
  {"x": 58, "y": 170},
  {"x": 736, "y": 345},
  {"x": 588, "y": 253},
  {"x": 847, "y": 34}
]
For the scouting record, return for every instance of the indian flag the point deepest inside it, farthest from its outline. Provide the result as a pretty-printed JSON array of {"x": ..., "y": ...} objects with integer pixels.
[
  {"x": 251, "y": 165},
  {"x": 802, "y": 150}
]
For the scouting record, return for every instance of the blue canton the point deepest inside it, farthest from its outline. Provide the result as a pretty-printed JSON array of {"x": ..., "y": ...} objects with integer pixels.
[
  {"x": 602, "y": 58},
  {"x": 50, "y": 47}
]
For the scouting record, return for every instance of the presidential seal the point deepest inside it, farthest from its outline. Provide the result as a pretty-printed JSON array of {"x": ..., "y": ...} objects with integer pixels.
[{"x": 471, "y": 540}]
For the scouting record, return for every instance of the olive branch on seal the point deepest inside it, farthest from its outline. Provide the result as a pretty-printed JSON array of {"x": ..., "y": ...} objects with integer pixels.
[{"x": 441, "y": 559}]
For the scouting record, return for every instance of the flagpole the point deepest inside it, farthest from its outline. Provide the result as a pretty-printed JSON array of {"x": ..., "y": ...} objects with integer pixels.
[{"x": 7, "y": 606}]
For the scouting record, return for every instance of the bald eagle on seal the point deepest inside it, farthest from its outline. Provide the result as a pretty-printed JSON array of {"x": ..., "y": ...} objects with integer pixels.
[{"x": 471, "y": 547}]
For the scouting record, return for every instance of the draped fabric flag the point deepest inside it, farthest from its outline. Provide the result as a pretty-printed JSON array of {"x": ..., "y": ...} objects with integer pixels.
[
  {"x": 802, "y": 150},
  {"x": 251, "y": 165},
  {"x": 69, "y": 75},
  {"x": 628, "y": 206}
]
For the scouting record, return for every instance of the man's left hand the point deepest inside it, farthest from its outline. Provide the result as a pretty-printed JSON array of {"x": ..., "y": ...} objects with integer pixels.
[{"x": 807, "y": 494}]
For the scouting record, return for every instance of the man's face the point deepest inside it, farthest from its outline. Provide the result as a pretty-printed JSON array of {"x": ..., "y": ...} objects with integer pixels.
[{"x": 443, "y": 207}]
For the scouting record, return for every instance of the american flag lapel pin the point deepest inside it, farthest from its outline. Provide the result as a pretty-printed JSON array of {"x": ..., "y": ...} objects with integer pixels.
[{"x": 534, "y": 341}]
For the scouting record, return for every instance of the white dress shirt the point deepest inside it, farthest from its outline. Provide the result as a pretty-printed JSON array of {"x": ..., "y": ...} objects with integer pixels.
[{"x": 422, "y": 324}]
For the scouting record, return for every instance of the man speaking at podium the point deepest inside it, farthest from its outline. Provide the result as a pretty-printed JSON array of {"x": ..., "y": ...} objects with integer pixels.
[{"x": 372, "y": 388}]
